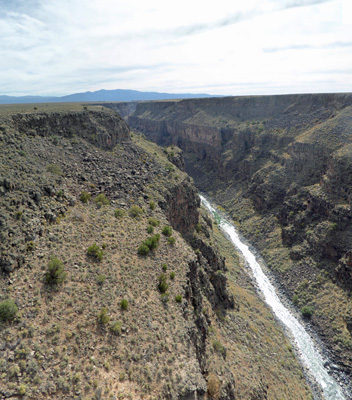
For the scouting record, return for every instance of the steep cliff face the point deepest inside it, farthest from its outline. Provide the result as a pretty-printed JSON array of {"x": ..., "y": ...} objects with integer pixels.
[
  {"x": 281, "y": 165},
  {"x": 102, "y": 129}
]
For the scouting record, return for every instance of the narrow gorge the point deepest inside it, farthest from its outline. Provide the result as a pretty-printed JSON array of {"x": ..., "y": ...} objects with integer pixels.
[
  {"x": 281, "y": 167},
  {"x": 116, "y": 284}
]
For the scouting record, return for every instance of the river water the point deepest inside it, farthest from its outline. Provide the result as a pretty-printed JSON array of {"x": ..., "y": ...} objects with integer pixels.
[{"x": 308, "y": 352}]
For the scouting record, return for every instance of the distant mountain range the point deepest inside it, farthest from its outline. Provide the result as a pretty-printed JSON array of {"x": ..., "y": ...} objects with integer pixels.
[{"x": 101, "y": 95}]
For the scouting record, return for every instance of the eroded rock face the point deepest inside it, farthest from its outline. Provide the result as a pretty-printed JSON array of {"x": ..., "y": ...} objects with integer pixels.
[
  {"x": 182, "y": 203},
  {"x": 99, "y": 128},
  {"x": 344, "y": 272}
]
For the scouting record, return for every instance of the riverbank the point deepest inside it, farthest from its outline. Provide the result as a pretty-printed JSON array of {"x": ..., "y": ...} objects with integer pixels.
[{"x": 314, "y": 361}]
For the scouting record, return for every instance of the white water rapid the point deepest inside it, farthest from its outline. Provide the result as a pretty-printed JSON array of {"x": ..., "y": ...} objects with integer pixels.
[{"x": 309, "y": 354}]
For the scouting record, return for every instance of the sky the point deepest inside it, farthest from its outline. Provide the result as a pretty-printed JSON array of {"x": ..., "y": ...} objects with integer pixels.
[{"x": 225, "y": 47}]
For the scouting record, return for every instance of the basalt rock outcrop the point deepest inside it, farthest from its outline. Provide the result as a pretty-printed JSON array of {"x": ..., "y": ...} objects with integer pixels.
[{"x": 101, "y": 129}]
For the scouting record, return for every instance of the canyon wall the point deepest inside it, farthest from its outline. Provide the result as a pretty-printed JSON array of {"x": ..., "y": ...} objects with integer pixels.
[{"x": 281, "y": 166}]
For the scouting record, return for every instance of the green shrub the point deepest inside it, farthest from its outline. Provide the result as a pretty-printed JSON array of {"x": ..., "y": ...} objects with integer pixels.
[
  {"x": 30, "y": 246},
  {"x": 152, "y": 205},
  {"x": 124, "y": 304},
  {"x": 153, "y": 241},
  {"x": 8, "y": 310},
  {"x": 116, "y": 328},
  {"x": 167, "y": 230},
  {"x": 164, "y": 267},
  {"x": 102, "y": 199},
  {"x": 150, "y": 229},
  {"x": 295, "y": 299},
  {"x": 101, "y": 279},
  {"x": 164, "y": 297},
  {"x": 198, "y": 227},
  {"x": 18, "y": 215},
  {"x": 171, "y": 240},
  {"x": 85, "y": 197},
  {"x": 172, "y": 275},
  {"x": 135, "y": 212},
  {"x": 334, "y": 226},
  {"x": 153, "y": 222},
  {"x": 307, "y": 311},
  {"x": 95, "y": 251},
  {"x": 55, "y": 273},
  {"x": 178, "y": 298},
  {"x": 103, "y": 317},
  {"x": 219, "y": 348},
  {"x": 149, "y": 244},
  {"x": 22, "y": 389},
  {"x": 162, "y": 285},
  {"x": 169, "y": 167},
  {"x": 119, "y": 213},
  {"x": 143, "y": 250}
]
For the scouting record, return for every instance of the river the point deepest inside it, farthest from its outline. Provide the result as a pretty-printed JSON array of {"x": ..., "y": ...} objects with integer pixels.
[{"x": 308, "y": 352}]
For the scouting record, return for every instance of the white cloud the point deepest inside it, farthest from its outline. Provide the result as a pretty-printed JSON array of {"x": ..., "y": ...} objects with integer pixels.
[{"x": 224, "y": 47}]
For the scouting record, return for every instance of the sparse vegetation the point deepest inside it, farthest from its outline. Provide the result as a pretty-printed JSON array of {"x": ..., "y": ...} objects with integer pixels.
[
  {"x": 103, "y": 317},
  {"x": 119, "y": 213},
  {"x": 219, "y": 348},
  {"x": 198, "y": 227},
  {"x": 115, "y": 328},
  {"x": 135, "y": 212},
  {"x": 101, "y": 199},
  {"x": 94, "y": 251},
  {"x": 178, "y": 298},
  {"x": 152, "y": 205},
  {"x": 54, "y": 169},
  {"x": 85, "y": 197},
  {"x": 171, "y": 240},
  {"x": 162, "y": 285},
  {"x": 153, "y": 222},
  {"x": 30, "y": 246},
  {"x": 148, "y": 245},
  {"x": 101, "y": 279},
  {"x": 167, "y": 230}
]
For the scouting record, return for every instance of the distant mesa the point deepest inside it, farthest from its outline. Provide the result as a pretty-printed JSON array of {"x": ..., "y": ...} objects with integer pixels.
[{"x": 102, "y": 95}]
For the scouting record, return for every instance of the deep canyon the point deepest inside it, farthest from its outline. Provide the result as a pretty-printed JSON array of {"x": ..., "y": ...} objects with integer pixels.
[
  {"x": 281, "y": 167},
  {"x": 179, "y": 319}
]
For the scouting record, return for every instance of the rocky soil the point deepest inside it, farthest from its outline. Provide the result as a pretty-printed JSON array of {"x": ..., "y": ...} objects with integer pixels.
[{"x": 80, "y": 192}]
